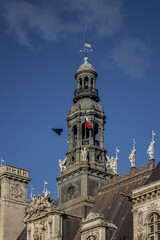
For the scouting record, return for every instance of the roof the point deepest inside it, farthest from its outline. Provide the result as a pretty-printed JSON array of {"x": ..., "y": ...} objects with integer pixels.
[
  {"x": 115, "y": 207},
  {"x": 23, "y": 235},
  {"x": 155, "y": 176}
]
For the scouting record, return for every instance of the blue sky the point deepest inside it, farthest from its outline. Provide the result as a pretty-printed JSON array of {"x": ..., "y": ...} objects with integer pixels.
[{"x": 39, "y": 55}]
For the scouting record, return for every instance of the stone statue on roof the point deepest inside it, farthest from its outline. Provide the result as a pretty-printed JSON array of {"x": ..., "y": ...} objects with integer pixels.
[
  {"x": 62, "y": 164},
  {"x": 132, "y": 155},
  {"x": 109, "y": 161},
  {"x": 150, "y": 151}
]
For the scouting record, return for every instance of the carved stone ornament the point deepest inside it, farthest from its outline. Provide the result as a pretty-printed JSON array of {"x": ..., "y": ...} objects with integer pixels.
[
  {"x": 38, "y": 204},
  {"x": 62, "y": 164},
  {"x": 70, "y": 191},
  {"x": 152, "y": 206},
  {"x": 140, "y": 221},
  {"x": 99, "y": 156},
  {"x": 40, "y": 230},
  {"x": 16, "y": 190}
]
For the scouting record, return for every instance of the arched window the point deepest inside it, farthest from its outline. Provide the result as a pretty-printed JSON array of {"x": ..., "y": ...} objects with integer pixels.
[
  {"x": 74, "y": 135},
  {"x": 154, "y": 226},
  {"x": 96, "y": 135},
  {"x": 92, "y": 83},
  {"x": 86, "y": 82},
  {"x": 85, "y": 134},
  {"x": 91, "y": 238},
  {"x": 80, "y": 82}
]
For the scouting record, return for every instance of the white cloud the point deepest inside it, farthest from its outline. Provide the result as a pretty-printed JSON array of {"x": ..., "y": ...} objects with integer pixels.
[
  {"x": 132, "y": 56},
  {"x": 50, "y": 18}
]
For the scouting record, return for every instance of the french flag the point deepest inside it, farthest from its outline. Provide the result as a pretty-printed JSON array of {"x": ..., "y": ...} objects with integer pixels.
[{"x": 88, "y": 125}]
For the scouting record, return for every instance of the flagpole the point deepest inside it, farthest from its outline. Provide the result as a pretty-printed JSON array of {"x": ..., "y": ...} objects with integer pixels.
[{"x": 64, "y": 139}]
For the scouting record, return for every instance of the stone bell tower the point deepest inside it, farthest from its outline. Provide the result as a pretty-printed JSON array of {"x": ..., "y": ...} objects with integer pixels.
[{"x": 85, "y": 160}]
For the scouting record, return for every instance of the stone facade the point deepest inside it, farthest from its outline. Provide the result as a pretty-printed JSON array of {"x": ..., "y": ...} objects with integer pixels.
[
  {"x": 43, "y": 219},
  {"x": 13, "y": 200},
  {"x": 146, "y": 210}
]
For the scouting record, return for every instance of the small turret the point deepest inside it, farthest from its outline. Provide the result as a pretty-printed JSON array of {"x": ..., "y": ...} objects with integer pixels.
[{"x": 86, "y": 78}]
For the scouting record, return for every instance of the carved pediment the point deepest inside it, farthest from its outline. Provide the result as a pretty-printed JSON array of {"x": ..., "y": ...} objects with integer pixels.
[{"x": 39, "y": 206}]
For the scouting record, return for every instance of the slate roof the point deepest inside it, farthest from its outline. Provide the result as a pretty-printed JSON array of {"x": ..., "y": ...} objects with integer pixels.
[
  {"x": 117, "y": 208},
  {"x": 23, "y": 235},
  {"x": 155, "y": 176}
]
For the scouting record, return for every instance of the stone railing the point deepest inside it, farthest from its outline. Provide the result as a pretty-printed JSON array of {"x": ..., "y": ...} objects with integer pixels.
[
  {"x": 14, "y": 170},
  {"x": 85, "y": 90}
]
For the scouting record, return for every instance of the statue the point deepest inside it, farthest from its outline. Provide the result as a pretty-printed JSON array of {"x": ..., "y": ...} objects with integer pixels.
[
  {"x": 114, "y": 165},
  {"x": 62, "y": 164},
  {"x": 84, "y": 154},
  {"x": 132, "y": 155},
  {"x": 112, "y": 162},
  {"x": 150, "y": 151},
  {"x": 109, "y": 161}
]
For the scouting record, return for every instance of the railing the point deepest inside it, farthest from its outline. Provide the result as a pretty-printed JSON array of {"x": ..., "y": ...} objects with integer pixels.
[{"x": 86, "y": 90}]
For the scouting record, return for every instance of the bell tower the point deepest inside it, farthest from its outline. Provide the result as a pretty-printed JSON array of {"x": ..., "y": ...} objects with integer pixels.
[{"x": 85, "y": 159}]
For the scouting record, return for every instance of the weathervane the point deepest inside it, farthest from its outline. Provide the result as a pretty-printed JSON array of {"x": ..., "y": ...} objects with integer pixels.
[{"x": 87, "y": 46}]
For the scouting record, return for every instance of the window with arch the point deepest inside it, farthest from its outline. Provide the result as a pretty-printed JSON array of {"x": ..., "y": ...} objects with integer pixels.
[
  {"x": 92, "y": 83},
  {"x": 80, "y": 83},
  {"x": 85, "y": 131},
  {"x": 96, "y": 135},
  {"x": 91, "y": 238},
  {"x": 154, "y": 226},
  {"x": 74, "y": 134},
  {"x": 86, "y": 82}
]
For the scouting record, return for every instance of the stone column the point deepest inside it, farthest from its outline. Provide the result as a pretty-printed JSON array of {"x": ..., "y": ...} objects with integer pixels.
[
  {"x": 89, "y": 79},
  {"x": 78, "y": 83},
  {"x": 94, "y": 85}
]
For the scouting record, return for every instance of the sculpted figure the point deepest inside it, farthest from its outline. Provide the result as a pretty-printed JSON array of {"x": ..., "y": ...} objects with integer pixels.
[
  {"x": 109, "y": 161},
  {"x": 114, "y": 165},
  {"x": 150, "y": 151},
  {"x": 62, "y": 164},
  {"x": 132, "y": 157},
  {"x": 84, "y": 153},
  {"x": 112, "y": 162}
]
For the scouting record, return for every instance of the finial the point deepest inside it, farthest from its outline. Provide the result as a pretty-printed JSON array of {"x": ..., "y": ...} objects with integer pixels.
[
  {"x": 32, "y": 188},
  {"x": 117, "y": 151},
  {"x": 153, "y": 134},
  {"x": 2, "y": 162},
  {"x": 87, "y": 47},
  {"x": 134, "y": 143},
  {"x": 45, "y": 183}
]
